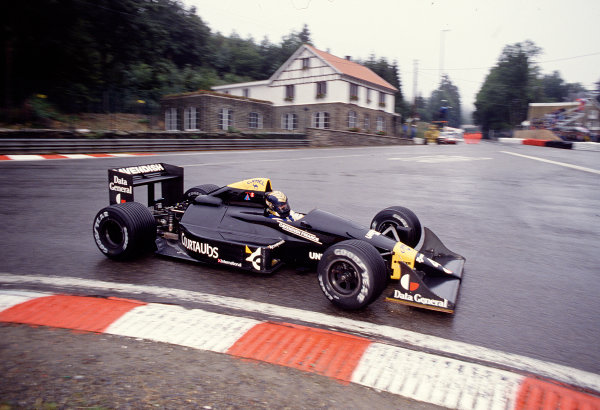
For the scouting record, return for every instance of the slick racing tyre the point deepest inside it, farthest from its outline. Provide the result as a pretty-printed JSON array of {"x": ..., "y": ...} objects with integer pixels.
[
  {"x": 352, "y": 274},
  {"x": 124, "y": 231},
  {"x": 192, "y": 193},
  {"x": 398, "y": 223}
]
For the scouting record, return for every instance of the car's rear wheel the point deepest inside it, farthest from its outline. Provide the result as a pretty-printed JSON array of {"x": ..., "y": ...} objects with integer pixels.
[
  {"x": 124, "y": 231},
  {"x": 398, "y": 223},
  {"x": 352, "y": 274},
  {"x": 204, "y": 189}
]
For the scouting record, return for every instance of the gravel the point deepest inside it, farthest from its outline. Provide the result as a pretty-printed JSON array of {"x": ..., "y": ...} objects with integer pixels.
[{"x": 46, "y": 368}]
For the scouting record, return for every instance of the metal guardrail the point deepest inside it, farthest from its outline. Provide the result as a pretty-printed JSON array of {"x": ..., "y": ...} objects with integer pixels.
[{"x": 101, "y": 145}]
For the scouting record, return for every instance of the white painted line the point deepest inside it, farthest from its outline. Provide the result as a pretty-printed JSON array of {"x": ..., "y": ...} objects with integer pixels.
[
  {"x": 28, "y": 157},
  {"x": 194, "y": 328},
  {"x": 122, "y": 155},
  {"x": 549, "y": 161},
  {"x": 434, "y": 159},
  {"x": 558, "y": 372}
]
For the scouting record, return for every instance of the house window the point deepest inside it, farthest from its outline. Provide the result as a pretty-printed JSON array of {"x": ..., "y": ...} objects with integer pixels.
[
  {"x": 189, "y": 119},
  {"x": 255, "y": 120},
  {"x": 382, "y": 99},
  {"x": 593, "y": 115},
  {"x": 353, "y": 92},
  {"x": 289, "y": 122},
  {"x": 368, "y": 95},
  {"x": 305, "y": 63},
  {"x": 321, "y": 89},
  {"x": 225, "y": 118},
  {"x": 321, "y": 120},
  {"x": 246, "y": 92},
  {"x": 351, "y": 119},
  {"x": 289, "y": 92},
  {"x": 171, "y": 119},
  {"x": 380, "y": 126},
  {"x": 367, "y": 123}
]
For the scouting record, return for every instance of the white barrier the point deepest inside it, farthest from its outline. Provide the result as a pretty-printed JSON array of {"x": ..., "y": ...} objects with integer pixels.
[
  {"x": 587, "y": 146},
  {"x": 511, "y": 140}
]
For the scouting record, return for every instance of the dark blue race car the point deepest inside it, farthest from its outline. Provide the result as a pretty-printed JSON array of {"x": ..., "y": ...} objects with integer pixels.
[{"x": 232, "y": 226}]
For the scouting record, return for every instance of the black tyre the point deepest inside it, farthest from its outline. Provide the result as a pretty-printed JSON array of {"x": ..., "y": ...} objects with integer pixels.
[
  {"x": 124, "y": 231},
  {"x": 398, "y": 223},
  {"x": 192, "y": 193},
  {"x": 352, "y": 274}
]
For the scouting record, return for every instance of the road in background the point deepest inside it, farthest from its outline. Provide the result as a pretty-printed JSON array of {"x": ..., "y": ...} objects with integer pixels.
[{"x": 528, "y": 230}]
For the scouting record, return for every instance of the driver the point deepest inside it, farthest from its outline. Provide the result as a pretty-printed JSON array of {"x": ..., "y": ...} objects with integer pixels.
[{"x": 278, "y": 207}]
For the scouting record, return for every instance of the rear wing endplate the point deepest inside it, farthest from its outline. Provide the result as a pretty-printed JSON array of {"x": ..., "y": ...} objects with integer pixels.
[{"x": 121, "y": 182}]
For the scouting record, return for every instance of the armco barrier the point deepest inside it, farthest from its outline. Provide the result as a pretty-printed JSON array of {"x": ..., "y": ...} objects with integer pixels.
[{"x": 101, "y": 145}]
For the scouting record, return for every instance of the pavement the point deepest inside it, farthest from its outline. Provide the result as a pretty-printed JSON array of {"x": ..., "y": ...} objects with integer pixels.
[{"x": 419, "y": 376}]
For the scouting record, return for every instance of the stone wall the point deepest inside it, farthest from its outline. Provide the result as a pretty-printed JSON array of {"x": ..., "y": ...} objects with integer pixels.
[
  {"x": 208, "y": 106},
  {"x": 332, "y": 138},
  {"x": 338, "y": 116}
]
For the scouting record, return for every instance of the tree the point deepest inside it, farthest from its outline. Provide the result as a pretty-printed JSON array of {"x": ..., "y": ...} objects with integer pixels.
[
  {"x": 446, "y": 95},
  {"x": 508, "y": 89},
  {"x": 304, "y": 35},
  {"x": 390, "y": 73}
]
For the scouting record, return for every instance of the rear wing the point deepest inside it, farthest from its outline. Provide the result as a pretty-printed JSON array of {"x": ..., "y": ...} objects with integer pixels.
[{"x": 169, "y": 178}]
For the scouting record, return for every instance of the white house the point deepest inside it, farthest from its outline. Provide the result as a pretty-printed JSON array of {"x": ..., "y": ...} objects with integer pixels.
[{"x": 312, "y": 89}]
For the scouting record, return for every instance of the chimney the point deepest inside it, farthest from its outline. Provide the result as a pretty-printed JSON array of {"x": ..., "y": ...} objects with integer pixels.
[{"x": 349, "y": 58}]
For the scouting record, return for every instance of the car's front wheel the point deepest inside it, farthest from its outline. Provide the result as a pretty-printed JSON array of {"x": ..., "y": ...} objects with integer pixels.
[
  {"x": 352, "y": 274},
  {"x": 398, "y": 223},
  {"x": 124, "y": 231}
]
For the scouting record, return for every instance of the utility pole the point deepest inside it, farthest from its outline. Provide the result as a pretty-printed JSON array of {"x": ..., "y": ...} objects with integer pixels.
[
  {"x": 442, "y": 38},
  {"x": 415, "y": 74}
]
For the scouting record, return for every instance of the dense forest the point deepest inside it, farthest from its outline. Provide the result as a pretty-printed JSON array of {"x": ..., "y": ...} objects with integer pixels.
[{"x": 123, "y": 55}]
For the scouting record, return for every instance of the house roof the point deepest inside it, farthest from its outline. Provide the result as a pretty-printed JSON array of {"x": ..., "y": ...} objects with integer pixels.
[{"x": 352, "y": 69}]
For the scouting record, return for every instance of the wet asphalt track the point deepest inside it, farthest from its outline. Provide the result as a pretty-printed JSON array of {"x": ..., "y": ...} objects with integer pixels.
[{"x": 528, "y": 229}]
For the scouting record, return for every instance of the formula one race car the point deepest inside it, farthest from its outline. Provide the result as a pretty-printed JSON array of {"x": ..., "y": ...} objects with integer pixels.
[{"x": 234, "y": 227}]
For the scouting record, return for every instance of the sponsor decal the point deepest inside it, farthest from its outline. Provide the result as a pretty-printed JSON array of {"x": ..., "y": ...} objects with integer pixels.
[
  {"x": 407, "y": 284},
  {"x": 120, "y": 185},
  {"x": 364, "y": 290},
  {"x": 315, "y": 256},
  {"x": 420, "y": 299},
  {"x": 299, "y": 232},
  {"x": 141, "y": 169},
  {"x": 276, "y": 245},
  {"x": 255, "y": 258},
  {"x": 230, "y": 263},
  {"x": 199, "y": 247},
  {"x": 372, "y": 233},
  {"x": 257, "y": 183}
]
